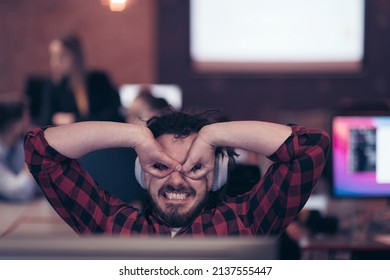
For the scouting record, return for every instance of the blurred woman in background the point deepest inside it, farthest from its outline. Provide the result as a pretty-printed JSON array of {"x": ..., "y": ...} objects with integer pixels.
[{"x": 73, "y": 94}]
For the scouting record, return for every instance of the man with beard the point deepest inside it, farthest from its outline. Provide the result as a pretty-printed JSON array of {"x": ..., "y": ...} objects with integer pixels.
[{"x": 182, "y": 162}]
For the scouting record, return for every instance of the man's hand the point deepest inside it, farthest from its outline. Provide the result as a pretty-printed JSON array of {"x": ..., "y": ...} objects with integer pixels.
[
  {"x": 261, "y": 137},
  {"x": 78, "y": 139},
  {"x": 200, "y": 160},
  {"x": 152, "y": 158}
]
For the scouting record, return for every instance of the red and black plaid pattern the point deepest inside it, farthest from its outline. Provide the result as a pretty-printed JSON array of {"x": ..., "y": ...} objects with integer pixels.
[{"x": 267, "y": 209}]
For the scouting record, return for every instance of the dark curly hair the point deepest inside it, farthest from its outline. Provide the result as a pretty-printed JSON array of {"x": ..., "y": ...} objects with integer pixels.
[{"x": 178, "y": 123}]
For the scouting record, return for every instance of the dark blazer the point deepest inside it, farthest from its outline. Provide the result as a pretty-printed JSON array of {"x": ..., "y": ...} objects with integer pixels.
[{"x": 103, "y": 97}]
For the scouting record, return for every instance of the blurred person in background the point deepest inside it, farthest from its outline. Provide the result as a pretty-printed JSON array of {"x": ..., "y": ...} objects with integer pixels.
[
  {"x": 73, "y": 94},
  {"x": 16, "y": 182},
  {"x": 144, "y": 107}
]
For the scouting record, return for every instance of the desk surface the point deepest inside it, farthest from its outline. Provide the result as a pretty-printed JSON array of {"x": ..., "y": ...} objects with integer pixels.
[
  {"x": 345, "y": 247},
  {"x": 342, "y": 242},
  {"x": 35, "y": 231},
  {"x": 36, "y": 218}
]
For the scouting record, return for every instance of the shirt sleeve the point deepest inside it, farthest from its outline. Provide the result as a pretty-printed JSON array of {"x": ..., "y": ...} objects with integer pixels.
[
  {"x": 286, "y": 186},
  {"x": 72, "y": 192}
]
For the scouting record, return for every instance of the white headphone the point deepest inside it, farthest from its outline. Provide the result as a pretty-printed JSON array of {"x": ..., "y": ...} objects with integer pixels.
[{"x": 220, "y": 172}]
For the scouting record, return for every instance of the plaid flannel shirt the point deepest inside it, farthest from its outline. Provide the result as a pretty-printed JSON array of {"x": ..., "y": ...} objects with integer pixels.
[{"x": 267, "y": 208}]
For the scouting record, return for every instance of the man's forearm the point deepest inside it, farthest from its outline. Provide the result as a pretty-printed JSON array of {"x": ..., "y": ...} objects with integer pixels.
[
  {"x": 260, "y": 137},
  {"x": 78, "y": 139}
]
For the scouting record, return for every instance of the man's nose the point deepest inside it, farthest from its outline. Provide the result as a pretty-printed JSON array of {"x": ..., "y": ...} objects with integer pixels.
[{"x": 176, "y": 178}]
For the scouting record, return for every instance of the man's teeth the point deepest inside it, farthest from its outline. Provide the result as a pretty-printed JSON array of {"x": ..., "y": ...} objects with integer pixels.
[{"x": 170, "y": 195}]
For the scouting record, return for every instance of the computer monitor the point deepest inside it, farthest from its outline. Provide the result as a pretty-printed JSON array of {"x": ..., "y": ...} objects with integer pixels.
[
  {"x": 361, "y": 156},
  {"x": 147, "y": 248}
]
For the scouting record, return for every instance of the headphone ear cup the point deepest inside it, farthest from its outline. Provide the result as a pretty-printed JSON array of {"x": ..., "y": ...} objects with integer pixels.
[
  {"x": 139, "y": 174},
  {"x": 220, "y": 171}
]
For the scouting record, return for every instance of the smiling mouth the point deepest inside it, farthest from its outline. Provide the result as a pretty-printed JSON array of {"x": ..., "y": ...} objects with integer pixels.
[{"x": 176, "y": 196}]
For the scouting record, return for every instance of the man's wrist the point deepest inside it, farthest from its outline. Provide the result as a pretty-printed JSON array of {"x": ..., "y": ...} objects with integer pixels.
[
  {"x": 208, "y": 134},
  {"x": 138, "y": 134}
]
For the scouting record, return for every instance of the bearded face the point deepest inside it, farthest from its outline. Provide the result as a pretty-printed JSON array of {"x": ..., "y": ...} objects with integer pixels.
[{"x": 177, "y": 198}]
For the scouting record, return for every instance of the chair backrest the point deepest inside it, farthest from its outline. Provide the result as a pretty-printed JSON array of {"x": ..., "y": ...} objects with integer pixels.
[
  {"x": 113, "y": 169},
  {"x": 242, "y": 179}
]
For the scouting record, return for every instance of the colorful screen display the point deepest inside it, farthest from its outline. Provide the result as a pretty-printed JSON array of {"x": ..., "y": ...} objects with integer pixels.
[{"x": 361, "y": 156}]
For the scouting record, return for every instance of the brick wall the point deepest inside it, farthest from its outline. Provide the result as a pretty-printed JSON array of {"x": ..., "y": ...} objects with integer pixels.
[{"x": 121, "y": 43}]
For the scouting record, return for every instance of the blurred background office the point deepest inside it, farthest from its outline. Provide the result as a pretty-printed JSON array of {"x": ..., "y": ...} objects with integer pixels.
[
  {"x": 170, "y": 42},
  {"x": 148, "y": 42},
  {"x": 16, "y": 182}
]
